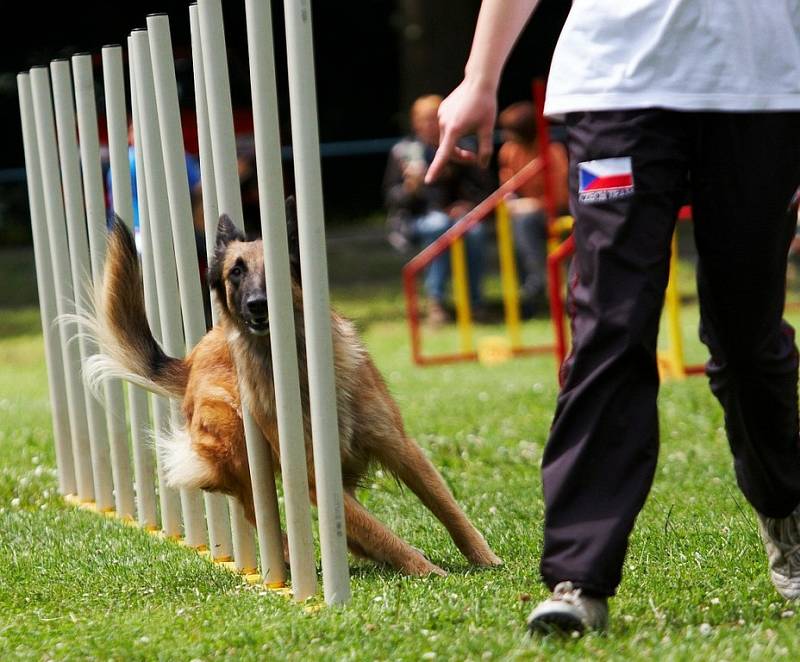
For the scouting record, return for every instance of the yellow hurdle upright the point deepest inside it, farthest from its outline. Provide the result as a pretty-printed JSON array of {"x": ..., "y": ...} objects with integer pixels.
[
  {"x": 670, "y": 362},
  {"x": 560, "y": 226},
  {"x": 458, "y": 263},
  {"x": 509, "y": 280}
]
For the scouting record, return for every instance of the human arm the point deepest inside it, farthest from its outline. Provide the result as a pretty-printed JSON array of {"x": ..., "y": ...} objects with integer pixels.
[{"x": 472, "y": 106}]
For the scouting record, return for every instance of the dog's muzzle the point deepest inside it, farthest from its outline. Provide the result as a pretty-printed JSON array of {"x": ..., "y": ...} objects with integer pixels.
[
  {"x": 258, "y": 327},
  {"x": 256, "y": 315}
]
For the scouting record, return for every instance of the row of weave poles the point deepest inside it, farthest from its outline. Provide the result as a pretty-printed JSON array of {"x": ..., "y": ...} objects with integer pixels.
[{"x": 95, "y": 440}]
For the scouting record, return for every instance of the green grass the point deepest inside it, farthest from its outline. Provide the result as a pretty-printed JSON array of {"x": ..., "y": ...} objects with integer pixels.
[{"x": 74, "y": 585}]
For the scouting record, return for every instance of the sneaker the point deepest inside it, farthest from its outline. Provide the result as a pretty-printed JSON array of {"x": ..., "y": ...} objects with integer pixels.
[
  {"x": 568, "y": 611},
  {"x": 781, "y": 538},
  {"x": 437, "y": 314}
]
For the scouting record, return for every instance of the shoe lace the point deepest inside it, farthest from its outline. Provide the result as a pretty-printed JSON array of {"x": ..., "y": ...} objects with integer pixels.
[{"x": 566, "y": 592}]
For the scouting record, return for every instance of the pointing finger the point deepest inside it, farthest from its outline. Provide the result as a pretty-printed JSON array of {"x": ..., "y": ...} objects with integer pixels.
[
  {"x": 485, "y": 146},
  {"x": 442, "y": 156}
]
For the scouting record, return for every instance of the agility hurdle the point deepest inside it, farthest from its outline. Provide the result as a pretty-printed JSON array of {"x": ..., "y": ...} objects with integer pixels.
[
  {"x": 68, "y": 217},
  {"x": 453, "y": 238},
  {"x": 453, "y": 241}
]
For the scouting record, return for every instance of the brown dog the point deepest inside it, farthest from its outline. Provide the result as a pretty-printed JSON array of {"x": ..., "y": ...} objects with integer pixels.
[{"x": 210, "y": 453}]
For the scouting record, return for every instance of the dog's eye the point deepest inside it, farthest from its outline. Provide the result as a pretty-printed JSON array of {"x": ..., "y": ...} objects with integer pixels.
[{"x": 235, "y": 273}]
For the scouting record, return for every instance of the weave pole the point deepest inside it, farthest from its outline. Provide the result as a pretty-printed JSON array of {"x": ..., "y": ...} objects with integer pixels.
[
  {"x": 292, "y": 445},
  {"x": 283, "y": 345},
  {"x": 244, "y": 550},
  {"x": 316, "y": 302},
  {"x": 168, "y": 497},
  {"x": 122, "y": 198},
  {"x": 89, "y": 149},
  {"x": 164, "y": 257},
  {"x": 180, "y": 214},
  {"x": 62, "y": 279},
  {"x": 46, "y": 288},
  {"x": 80, "y": 270}
]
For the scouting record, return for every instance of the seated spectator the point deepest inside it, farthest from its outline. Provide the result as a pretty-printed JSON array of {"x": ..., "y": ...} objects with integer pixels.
[
  {"x": 419, "y": 213},
  {"x": 527, "y": 206}
]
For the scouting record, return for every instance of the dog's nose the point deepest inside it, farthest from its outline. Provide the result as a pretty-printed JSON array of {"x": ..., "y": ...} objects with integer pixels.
[{"x": 257, "y": 305}]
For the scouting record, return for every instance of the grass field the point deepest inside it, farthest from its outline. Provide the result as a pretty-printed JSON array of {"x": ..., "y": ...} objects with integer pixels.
[{"x": 75, "y": 586}]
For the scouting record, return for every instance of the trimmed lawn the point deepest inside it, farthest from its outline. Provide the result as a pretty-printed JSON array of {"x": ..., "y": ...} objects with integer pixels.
[{"x": 74, "y": 585}]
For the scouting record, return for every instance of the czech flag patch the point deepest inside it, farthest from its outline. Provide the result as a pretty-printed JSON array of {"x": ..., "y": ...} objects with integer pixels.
[{"x": 605, "y": 179}]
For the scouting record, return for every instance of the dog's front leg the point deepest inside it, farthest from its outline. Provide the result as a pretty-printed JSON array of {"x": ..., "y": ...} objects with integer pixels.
[{"x": 375, "y": 540}]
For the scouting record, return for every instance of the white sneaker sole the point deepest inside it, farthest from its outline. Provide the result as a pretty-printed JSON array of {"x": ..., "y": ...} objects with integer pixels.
[
  {"x": 788, "y": 588},
  {"x": 556, "y": 617}
]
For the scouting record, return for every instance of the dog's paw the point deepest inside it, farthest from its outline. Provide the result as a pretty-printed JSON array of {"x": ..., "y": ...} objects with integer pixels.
[
  {"x": 424, "y": 569},
  {"x": 420, "y": 566},
  {"x": 486, "y": 558}
]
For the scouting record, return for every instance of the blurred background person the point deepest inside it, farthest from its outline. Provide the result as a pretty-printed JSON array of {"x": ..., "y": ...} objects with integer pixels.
[
  {"x": 527, "y": 206},
  {"x": 419, "y": 213},
  {"x": 193, "y": 176}
]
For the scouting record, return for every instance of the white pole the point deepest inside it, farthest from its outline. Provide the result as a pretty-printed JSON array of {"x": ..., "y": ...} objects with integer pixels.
[
  {"x": 81, "y": 269},
  {"x": 179, "y": 196},
  {"x": 283, "y": 342},
  {"x": 244, "y": 549},
  {"x": 117, "y": 125},
  {"x": 316, "y": 303},
  {"x": 180, "y": 213},
  {"x": 220, "y": 111},
  {"x": 164, "y": 257},
  {"x": 292, "y": 446},
  {"x": 89, "y": 145},
  {"x": 62, "y": 279},
  {"x": 47, "y": 304},
  {"x": 168, "y": 497},
  {"x": 210, "y": 206}
]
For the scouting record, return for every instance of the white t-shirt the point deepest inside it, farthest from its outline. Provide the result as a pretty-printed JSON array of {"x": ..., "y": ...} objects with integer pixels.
[{"x": 737, "y": 55}]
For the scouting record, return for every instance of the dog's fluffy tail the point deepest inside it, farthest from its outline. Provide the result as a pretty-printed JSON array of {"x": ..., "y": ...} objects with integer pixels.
[{"x": 128, "y": 349}]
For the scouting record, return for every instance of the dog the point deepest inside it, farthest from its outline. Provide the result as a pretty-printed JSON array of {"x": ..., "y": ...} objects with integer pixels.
[{"x": 209, "y": 453}]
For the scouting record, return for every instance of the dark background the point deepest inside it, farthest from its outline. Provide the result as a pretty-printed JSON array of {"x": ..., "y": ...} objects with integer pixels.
[{"x": 373, "y": 57}]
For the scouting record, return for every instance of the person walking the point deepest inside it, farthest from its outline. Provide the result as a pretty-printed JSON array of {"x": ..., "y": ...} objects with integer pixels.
[{"x": 663, "y": 100}]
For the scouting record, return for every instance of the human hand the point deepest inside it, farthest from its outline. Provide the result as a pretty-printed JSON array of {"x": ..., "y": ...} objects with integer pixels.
[{"x": 470, "y": 108}]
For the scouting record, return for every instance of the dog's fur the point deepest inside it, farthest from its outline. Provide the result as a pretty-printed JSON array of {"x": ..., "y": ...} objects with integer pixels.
[{"x": 210, "y": 453}]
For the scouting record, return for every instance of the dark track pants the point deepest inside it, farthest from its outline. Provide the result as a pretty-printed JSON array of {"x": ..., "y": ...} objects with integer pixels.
[{"x": 740, "y": 171}]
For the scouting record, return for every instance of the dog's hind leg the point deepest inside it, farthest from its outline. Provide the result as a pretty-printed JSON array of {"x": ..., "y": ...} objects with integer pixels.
[
  {"x": 411, "y": 466},
  {"x": 357, "y": 550},
  {"x": 370, "y": 538}
]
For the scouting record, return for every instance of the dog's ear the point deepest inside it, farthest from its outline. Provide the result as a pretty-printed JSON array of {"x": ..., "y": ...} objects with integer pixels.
[
  {"x": 228, "y": 232},
  {"x": 292, "y": 236},
  {"x": 214, "y": 274}
]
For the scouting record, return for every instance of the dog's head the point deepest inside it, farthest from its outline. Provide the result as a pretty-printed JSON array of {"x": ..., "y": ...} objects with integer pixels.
[{"x": 236, "y": 274}]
